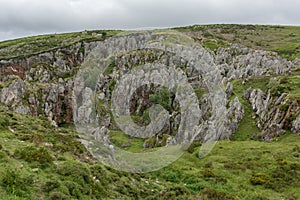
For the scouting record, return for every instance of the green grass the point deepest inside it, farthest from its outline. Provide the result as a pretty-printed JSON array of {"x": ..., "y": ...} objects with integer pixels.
[
  {"x": 212, "y": 45},
  {"x": 226, "y": 171},
  {"x": 247, "y": 126},
  {"x": 293, "y": 83},
  {"x": 282, "y": 39},
  {"x": 120, "y": 139},
  {"x": 31, "y": 168},
  {"x": 39, "y": 161},
  {"x": 28, "y": 46}
]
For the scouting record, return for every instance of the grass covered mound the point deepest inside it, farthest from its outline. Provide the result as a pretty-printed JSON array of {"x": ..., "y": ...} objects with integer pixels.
[
  {"x": 29, "y": 46},
  {"x": 281, "y": 39},
  {"x": 39, "y": 161}
]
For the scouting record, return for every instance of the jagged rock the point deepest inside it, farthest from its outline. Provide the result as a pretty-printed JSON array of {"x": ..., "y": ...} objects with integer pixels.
[
  {"x": 239, "y": 61},
  {"x": 127, "y": 144},
  {"x": 235, "y": 114},
  {"x": 51, "y": 85},
  {"x": 247, "y": 93},
  {"x": 280, "y": 99},
  {"x": 22, "y": 109},
  {"x": 273, "y": 131},
  {"x": 86, "y": 109},
  {"x": 273, "y": 113},
  {"x": 14, "y": 92},
  {"x": 296, "y": 125},
  {"x": 229, "y": 89}
]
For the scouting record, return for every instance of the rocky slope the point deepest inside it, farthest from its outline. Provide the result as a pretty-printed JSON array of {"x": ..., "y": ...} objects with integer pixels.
[
  {"x": 209, "y": 78},
  {"x": 42, "y": 84}
]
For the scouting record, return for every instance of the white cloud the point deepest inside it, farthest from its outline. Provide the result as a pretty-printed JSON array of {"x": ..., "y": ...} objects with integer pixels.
[{"x": 28, "y": 17}]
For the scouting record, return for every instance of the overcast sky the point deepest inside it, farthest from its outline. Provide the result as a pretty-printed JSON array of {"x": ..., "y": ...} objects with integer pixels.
[{"x": 20, "y": 18}]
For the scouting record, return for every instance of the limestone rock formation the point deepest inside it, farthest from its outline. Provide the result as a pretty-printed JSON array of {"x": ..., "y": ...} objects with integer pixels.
[
  {"x": 273, "y": 113},
  {"x": 296, "y": 125},
  {"x": 44, "y": 84}
]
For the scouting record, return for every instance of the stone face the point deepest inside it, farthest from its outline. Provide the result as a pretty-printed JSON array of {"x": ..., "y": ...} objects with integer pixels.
[
  {"x": 296, "y": 125},
  {"x": 42, "y": 84},
  {"x": 238, "y": 61},
  {"x": 45, "y": 84},
  {"x": 14, "y": 94},
  {"x": 235, "y": 114},
  {"x": 273, "y": 113}
]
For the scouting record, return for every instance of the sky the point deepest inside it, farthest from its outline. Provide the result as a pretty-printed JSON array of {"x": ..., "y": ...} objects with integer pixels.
[{"x": 19, "y": 18}]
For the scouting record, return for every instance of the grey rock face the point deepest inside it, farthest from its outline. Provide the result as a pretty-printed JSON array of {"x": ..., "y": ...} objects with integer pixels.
[
  {"x": 120, "y": 54},
  {"x": 273, "y": 113},
  {"x": 296, "y": 125},
  {"x": 235, "y": 114},
  {"x": 13, "y": 96},
  {"x": 239, "y": 61},
  {"x": 44, "y": 84}
]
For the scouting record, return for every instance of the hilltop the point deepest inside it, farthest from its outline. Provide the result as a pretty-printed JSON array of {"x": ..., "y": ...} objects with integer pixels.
[{"x": 246, "y": 81}]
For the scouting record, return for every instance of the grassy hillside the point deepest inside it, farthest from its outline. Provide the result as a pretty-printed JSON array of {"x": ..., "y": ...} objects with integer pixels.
[
  {"x": 38, "y": 161},
  {"x": 285, "y": 40},
  {"x": 28, "y": 46}
]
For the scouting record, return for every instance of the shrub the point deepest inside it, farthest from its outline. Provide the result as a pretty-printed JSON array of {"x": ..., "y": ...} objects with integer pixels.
[
  {"x": 78, "y": 173},
  {"x": 259, "y": 179},
  {"x": 66, "y": 143},
  {"x": 56, "y": 195},
  {"x": 171, "y": 175},
  {"x": 209, "y": 193},
  {"x": 74, "y": 189},
  {"x": 51, "y": 185},
  {"x": 162, "y": 97},
  {"x": 193, "y": 146},
  {"x": 34, "y": 154},
  {"x": 15, "y": 182},
  {"x": 284, "y": 107},
  {"x": 175, "y": 192},
  {"x": 284, "y": 80},
  {"x": 2, "y": 155},
  {"x": 208, "y": 173}
]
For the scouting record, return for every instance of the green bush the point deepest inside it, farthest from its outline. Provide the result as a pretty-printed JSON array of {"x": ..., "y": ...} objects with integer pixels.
[
  {"x": 212, "y": 194},
  {"x": 175, "y": 192},
  {"x": 193, "y": 146},
  {"x": 208, "y": 173},
  {"x": 50, "y": 185},
  {"x": 2, "y": 155},
  {"x": 170, "y": 175},
  {"x": 259, "y": 179},
  {"x": 66, "y": 143},
  {"x": 56, "y": 195},
  {"x": 78, "y": 173},
  {"x": 162, "y": 97},
  {"x": 73, "y": 188},
  {"x": 34, "y": 154},
  {"x": 284, "y": 107},
  {"x": 14, "y": 181}
]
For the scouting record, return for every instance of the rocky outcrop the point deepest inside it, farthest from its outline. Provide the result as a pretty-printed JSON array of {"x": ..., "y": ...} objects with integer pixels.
[
  {"x": 296, "y": 125},
  {"x": 273, "y": 113},
  {"x": 44, "y": 84},
  {"x": 239, "y": 61},
  {"x": 235, "y": 114}
]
